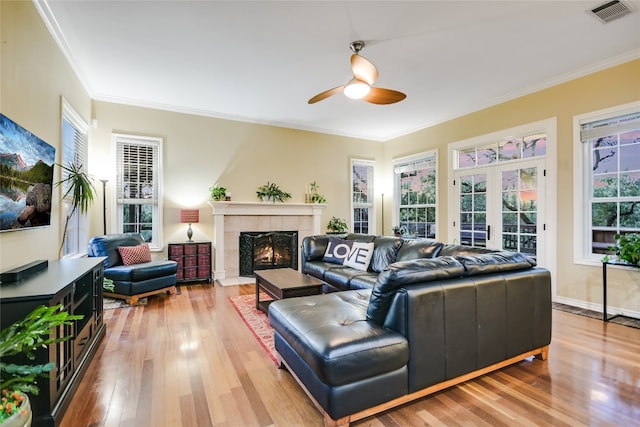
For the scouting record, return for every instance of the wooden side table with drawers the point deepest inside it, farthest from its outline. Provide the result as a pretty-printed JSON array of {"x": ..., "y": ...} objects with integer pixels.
[{"x": 194, "y": 261}]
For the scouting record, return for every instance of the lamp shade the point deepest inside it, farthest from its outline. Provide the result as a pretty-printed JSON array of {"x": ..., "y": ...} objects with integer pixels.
[{"x": 189, "y": 216}]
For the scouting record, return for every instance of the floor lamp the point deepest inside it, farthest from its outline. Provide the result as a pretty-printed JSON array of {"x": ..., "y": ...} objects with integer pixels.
[
  {"x": 104, "y": 205},
  {"x": 382, "y": 233}
]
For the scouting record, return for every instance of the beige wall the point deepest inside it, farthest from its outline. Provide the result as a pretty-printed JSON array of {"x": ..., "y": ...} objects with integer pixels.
[
  {"x": 200, "y": 151},
  {"x": 35, "y": 75},
  {"x": 614, "y": 86}
]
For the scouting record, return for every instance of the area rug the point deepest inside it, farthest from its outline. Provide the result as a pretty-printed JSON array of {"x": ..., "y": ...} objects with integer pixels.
[
  {"x": 626, "y": 321},
  {"x": 256, "y": 320},
  {"x": 113, "y": 303}
]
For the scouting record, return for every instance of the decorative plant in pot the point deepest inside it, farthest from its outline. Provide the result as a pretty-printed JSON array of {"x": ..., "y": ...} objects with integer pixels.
[
  {"x": 79, "y": 191},
  {"x": 313, "y": 196},
  {"x": 218, "y": 192},
  {"x": 271, "y": 192},
  {"x": 23, "y": 338},
  {"x": 337, "y": 225},
  {"x": 627, "y": 247}
]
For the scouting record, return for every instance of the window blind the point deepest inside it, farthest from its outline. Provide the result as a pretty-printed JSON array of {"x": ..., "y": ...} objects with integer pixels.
[{"x": 610, "y": 126}]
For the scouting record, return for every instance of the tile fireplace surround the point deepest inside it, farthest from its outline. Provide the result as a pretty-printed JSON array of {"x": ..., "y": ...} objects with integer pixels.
[{"x": 230, "y": 218}]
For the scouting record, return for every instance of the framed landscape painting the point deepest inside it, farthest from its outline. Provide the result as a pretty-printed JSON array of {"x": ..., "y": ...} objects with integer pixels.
[{"x": 26, "y": 178}]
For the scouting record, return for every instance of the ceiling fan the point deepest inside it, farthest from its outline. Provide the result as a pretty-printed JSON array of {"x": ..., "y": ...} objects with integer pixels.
[{"x": 360, "y": 86}]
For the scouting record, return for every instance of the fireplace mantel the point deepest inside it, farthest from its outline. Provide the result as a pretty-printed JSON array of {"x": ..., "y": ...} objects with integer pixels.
[{"x": 230, "y": 218}]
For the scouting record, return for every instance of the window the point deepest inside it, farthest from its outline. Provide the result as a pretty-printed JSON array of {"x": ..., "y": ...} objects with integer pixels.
[
  {"x": 75, "y": 135},
  {"x": 608, "y": 177},
  {"x": 362, "y": 196},
  {"x": 139, "y": 187},
  {"x": 415, "y": 183}
]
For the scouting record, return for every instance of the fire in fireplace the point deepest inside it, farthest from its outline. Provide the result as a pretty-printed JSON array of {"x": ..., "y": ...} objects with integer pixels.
[{"x": 261, "y": 250}]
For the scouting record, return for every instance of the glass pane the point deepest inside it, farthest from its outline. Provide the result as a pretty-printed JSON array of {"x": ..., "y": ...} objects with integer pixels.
[
  {"x": 431, "y": 216},
  {"x": 480, "y": 202},
  {"x": 605, "y": 160},
  {"x": 630, "y": 184},
  {"x": 534, "y": 145},
  {"x": 466, "y": 221},
  {"x": 510, "y": 150},
  {"x": 605, "y": 185},
  {"x": 480, "y": 239},
  {"x": 630, "y": 215},
  {"x": 466, "y": 203},
  {"x": 487, "y": 155},
  {"x": 632, "y": 137},
  {"x": 528, "y": 244},
  {"x": 510, "y": 242},
  {"x": 509, "y": 223},
  {"x": 630, "y": 157},
  {"x": 604, "y": 214},
  {"x": 509, "y": 180},
  {"x": 466, "y": 184},
  {"x": 480, "y": 183},
  {"x": 510, "y": 201},
  {"x": 467, "y": 157}
]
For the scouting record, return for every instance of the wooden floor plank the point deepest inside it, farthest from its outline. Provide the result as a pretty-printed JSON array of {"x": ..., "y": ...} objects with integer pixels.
[{"x": 188, "y": 359}]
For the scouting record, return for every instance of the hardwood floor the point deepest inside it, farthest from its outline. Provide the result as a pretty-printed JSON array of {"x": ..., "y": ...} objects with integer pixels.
[{"x": 189, "y": 360}]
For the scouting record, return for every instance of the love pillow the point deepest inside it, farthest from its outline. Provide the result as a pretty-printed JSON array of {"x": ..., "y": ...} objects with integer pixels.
[
  {"x": 337, "y": 250},
  {"x": 349, "y": 252},
  {"x": 360, "y": 256}
]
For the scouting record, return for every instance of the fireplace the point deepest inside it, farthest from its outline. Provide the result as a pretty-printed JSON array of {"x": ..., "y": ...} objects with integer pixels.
[{"x": 262, "y": 250}]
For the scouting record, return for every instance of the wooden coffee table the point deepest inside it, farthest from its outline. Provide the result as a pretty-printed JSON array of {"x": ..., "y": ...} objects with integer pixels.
[{"x": 281, "y": 283}]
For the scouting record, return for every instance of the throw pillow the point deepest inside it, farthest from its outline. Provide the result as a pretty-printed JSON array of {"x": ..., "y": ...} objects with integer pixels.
[
  {"x": 337, "y": 250},
  {"x": 360, "y": 256},
  {"x": 135, "y": 254}
]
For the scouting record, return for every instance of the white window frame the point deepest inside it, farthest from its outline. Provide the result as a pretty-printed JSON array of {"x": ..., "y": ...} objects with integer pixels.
[
  {"x": 156, "y": 243},
  {"x": 77, "y": 235},
  {"x": 370, "y": 195},
  {"x": 582, "y": 182},
  {"x": 407, "y": 161}
]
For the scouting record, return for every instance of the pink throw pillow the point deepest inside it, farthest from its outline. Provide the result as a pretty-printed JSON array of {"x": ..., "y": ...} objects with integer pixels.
[{"x": 135, "y": 254}]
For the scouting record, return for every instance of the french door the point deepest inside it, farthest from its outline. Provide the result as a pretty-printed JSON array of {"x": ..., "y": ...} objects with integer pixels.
[{"x": 501, "y": 207}]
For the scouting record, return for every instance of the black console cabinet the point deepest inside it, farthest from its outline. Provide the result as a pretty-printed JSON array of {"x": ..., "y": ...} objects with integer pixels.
[{"x": 77, "y": 285}]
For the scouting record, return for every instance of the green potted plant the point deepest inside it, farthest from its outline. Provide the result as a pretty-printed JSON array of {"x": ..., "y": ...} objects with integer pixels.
[
  {"x": 271, "y": 192},
  {"x": 313, "y": 196},
  {"x": 218, "y": 192},
  {"x": 627, "y": 247},
  {"x": 337, "y": 225},
  {"x": 80, "y": 191},
  {"x": 23, "y": 338}
]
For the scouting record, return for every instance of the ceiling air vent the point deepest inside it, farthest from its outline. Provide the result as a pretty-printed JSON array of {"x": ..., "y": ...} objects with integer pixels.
[{"x": 611, "y": 10}]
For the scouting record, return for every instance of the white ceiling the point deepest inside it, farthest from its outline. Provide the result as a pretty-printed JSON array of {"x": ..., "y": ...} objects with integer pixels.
[{"x": 260, "y": 61}]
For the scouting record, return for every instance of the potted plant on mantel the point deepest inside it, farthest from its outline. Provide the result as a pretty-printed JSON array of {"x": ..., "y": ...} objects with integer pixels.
[
  {"x": 218, "y": 192},
  {"x": 271, "y": 192},
  {"x": 80, "y": 189},
  {"x": 23, "y": 338}
]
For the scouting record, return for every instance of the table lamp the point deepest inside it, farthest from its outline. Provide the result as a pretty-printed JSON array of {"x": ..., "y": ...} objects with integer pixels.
[{"x": 189, "y": 216}]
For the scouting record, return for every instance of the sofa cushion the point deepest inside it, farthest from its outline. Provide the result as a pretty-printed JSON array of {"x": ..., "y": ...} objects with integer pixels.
[
  {"x": 360, "y": 256},
  {"x": 385, "y": 252},
  {"x": 138, "y": 272},
  {"x": 135, "y": 254},
  {"x": 363, "y": 238},
  {"x": 337, "y": 250},
  {"x": 342, "y": 277},
  {"x": 494, "y": 262},
  {"x": 363, "y": 281},
  {"x": 405, "y": 272},
  {"x": 419, "y": 248},
  {"x": 453, "y": 250},
  {"x": 332, "y": 335}
]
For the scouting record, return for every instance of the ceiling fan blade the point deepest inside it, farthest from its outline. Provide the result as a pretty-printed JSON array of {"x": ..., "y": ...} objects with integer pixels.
[
  {"x": 325, "y": 94},
  {"x": 382, "y": 96},
  {"x": 363, "y": 69}
]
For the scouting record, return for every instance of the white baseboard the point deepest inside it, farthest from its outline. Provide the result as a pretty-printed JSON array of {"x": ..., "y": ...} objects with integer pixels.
[{"x": 597, "y": 307}]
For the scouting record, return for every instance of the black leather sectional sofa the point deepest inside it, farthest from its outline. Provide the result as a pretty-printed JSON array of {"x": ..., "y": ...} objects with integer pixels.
[{"x": 434, "y": 315}]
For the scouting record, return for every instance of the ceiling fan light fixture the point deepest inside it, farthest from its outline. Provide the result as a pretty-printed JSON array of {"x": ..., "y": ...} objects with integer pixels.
[{"x": 356, "y": 89}]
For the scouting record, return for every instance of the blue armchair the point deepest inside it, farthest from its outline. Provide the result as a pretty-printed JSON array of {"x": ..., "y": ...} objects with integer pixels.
[{"x": 135, "y": 281}]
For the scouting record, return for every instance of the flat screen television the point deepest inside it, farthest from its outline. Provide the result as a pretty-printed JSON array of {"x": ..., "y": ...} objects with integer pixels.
[{"x": 26, "y": 178}]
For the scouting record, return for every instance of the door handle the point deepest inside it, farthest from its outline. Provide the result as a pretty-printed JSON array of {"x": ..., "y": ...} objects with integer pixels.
[{"x": 488, "y": 232}]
